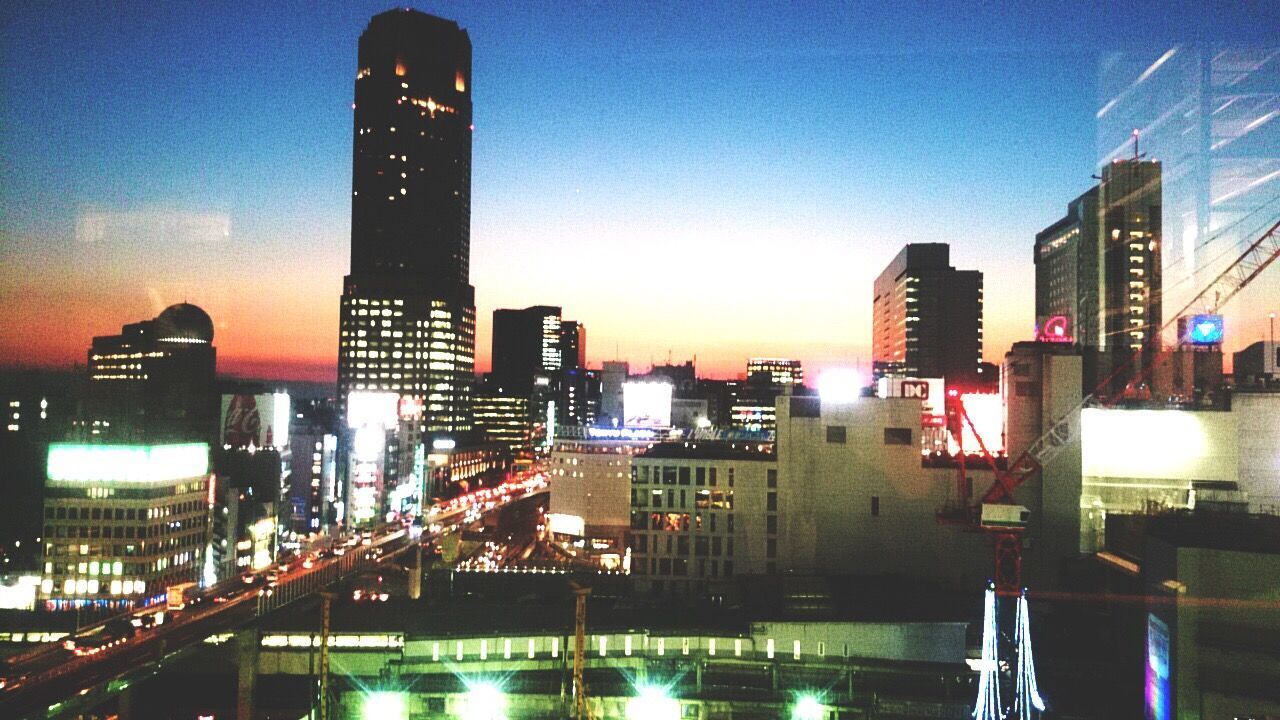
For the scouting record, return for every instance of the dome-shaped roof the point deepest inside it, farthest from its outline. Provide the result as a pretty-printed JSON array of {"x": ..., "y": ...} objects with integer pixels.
[{"x": 184, "y": 323}]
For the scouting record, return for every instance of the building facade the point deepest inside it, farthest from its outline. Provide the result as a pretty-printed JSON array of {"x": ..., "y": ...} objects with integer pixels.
[
  {"x": 122, "y": 522},
  {"x": 1099, "y": 273},
  {"x": 408, "y": 309},
  {"x": 154, "y": 382},
  {"x": 775, "y": 371},
  {"x": 701, "y": 514},
  {"x": 927, "y": 317},
  {"x": 526, "y": 344}
]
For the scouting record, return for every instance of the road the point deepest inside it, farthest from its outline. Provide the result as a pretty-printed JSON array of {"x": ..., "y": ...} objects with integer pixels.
[{"x": 40, "y": 680}]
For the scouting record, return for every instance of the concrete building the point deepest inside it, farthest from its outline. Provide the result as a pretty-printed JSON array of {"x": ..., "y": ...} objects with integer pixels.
[
  {"x": 526, "y": 344},
  {"x": 122, "y": 522},
  {"x": 591, "y": 483},
  {"x": 1258, "y": 363},
  {"x": 612, "y": 376},
  {"x": 1211, "y": 622},
  {"x": 703, "y": 513},
  {"x": 155, "y": 381},
  {"x": 927, "y": 317}
]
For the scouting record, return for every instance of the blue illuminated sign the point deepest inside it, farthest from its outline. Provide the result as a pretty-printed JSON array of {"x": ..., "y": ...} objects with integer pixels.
[{"x": 1204, "y": 330}]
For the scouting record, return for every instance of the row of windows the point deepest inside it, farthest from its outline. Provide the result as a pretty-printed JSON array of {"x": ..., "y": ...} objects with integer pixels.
[
  {"x": 101, "y": 513},
  {"x": 672, "y": 475},
  {"x": 678, "y": 522},
  {"x": 679, "y": 567},
  {"x": 702, "y": 499}
]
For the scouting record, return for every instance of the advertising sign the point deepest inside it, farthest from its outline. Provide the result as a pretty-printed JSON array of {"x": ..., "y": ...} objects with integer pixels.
[
  {"x": 930, "y": 391},
  {"x": 258, "y": 420},
  {"x": 1158, "y": 700},
  {"x": 1201, "y": 329},
  {"x": 646, "y": 404},
  {"x": 1054, "y": 329},
  {"x": 374, "y": 409}
]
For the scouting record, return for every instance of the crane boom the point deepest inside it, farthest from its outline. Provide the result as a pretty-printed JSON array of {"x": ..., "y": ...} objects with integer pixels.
[{"x": 1243, "y": 270}]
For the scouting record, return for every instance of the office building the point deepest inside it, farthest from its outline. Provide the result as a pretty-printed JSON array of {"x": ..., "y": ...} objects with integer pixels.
[
  {"x": 526, "y": 344},
  {"x": 122, "y": 522},
  {"x": 573, "y": 345},
  {"x": 1257, "y": 363},
  {"x": 927, "y": 317},
  {"x": 313, "y": 442},
  {"x": 613, "y": 374},
  {"x": 408, "y": 309},
  {"x": 702, "y": 514},
  {"x": 1099, "y": 273},
  {"x": 590, "y": 474},
  {"x": 775, "y": 371},
  {"x": 504, "y": 419},
  {"x": 154, "y": 382}
]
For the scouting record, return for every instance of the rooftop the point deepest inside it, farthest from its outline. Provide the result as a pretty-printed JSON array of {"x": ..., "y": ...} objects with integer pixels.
[{"x": 704, "y": 450}]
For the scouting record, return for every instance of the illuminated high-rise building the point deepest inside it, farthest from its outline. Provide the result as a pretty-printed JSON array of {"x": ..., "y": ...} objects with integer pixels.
[
  {"x": 526, "y": 344},
  {"x": 155, "y": 381},
  {"x": 1099, "y": 271},
  {"x": 408, "y": 308},
  {"x": 775, "y": 371},
  {"x": 927, "y": 317},
  {"x": 122, "y": 522}
]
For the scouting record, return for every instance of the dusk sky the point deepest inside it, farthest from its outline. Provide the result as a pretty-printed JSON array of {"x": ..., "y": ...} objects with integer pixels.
[{"x": 719, "y": 180}]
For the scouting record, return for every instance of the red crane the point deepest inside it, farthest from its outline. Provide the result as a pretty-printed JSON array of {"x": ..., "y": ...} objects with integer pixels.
[{"x": 1007, "y": 541}]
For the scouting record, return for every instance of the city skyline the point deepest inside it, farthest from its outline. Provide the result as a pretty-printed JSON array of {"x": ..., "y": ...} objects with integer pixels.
[{"x": 589, "y": 171}]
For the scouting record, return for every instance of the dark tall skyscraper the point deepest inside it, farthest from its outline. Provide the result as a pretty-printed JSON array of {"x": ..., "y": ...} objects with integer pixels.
[
  {"x": 927, "y": 317},
  {"x": 526, "y": 343},
  {"x": 1098, "y": 271},
  {"x": 408, "y": 309}
]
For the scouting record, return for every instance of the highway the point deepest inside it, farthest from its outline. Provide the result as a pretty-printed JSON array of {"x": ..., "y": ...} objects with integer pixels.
[{"x": 39, "y": 681}]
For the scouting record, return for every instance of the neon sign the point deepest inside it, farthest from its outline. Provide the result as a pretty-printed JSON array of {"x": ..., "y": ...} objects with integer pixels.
[
  {"x": 1203, "y": 330},
  {"x": 1055, "y": 328}
]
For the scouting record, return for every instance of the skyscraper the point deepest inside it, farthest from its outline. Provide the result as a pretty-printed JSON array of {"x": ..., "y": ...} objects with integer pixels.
[
  {"x": 155, "y": 381},
  {"x": 408, "y": 308},
  {"x": 526, "y": 344},
  {"x": 1099, "y": 271},
  {"x": 927, "y": 317}
]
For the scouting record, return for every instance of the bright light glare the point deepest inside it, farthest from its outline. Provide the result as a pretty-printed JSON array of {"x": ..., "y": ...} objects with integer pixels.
[
  {"x": 839, "y": 385},
  {"x": 652, "y": 703},
  {"x": 485, "y": 701},
  {"x": 808, "y": 708},
  {"x": 384, "y": 706},
  {"x": 127, "y": 463}
]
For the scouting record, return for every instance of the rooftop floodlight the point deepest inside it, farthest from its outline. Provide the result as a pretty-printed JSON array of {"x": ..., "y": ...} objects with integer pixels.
[
  {"x": 652, "y": 702},
  {"x": 808, "y": 707},
  {"x": 484, "y": 701},
  {"x": 839, "y": 385},
  {"x": 384, "y": 706}
]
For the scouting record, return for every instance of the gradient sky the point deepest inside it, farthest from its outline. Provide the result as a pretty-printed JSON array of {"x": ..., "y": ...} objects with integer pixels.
[{"x": 723, "y": 180}]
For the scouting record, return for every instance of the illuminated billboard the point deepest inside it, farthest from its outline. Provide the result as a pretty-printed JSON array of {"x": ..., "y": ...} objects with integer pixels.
[
  {"x": 373, "y": 409},
  {"x": 1054, "y": 328},
  {"x": 1158, "y": 700},
  {"x": 646, "y": 404},
  {"x": 987, "y": 413},
  {"x": 1163, "y": 445},
  {"x": 563, "y": 524},
  {"x": 1201, "y": 329},
  {"x": 931, "y": 392},
  {"x": 127, "y": 463},
  {"x": 257, "y": 420}
]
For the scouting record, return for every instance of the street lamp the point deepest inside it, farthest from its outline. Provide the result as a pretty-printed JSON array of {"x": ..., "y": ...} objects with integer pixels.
[
  {"x": 484, "y": 701},
  {"x": 808, "y": 707},
  {"x": 653, "y": 703},
  {"x": 384, "y": 706}
]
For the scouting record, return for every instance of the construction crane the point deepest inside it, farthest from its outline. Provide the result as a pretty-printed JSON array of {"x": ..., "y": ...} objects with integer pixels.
[
  {"x": 1007, "y": 540},
  {"x": 580, "y": 593}
]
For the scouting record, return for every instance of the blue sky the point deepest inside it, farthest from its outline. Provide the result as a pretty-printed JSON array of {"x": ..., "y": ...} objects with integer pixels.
[{"x": 747, "y": 167}]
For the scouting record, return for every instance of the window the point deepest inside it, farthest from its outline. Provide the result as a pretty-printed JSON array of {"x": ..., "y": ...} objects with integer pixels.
[
  {"x": 772, "y": 477},
  {"x": 668, "y": 476},
  {"x": 771, "y": 502},
  {"x": 700, "y": 546},
  {"x": 771, "y": 548},
  {"x": 875, "y": 506},
  {"x": 836, "y": 434},
  {"x": 684, "y": 476},
  {"x": 712, "y": 474},
  {"x": 700, "y": 476},
  {"x": 806, "y": 407},
  {"x": 897, "y": 436},
  {"x": 771, "y": 524}
]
